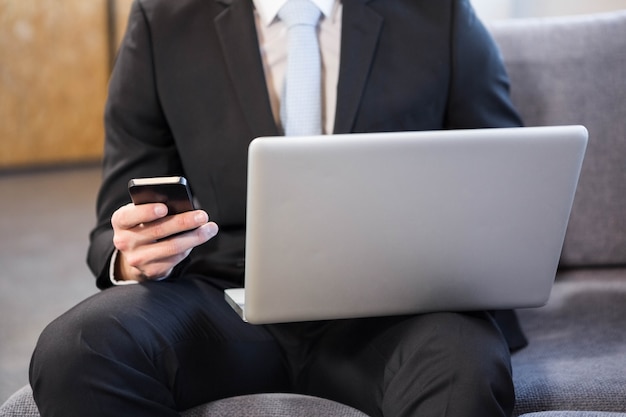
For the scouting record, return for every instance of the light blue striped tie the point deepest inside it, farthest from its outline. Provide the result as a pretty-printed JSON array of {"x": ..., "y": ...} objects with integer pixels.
[{"x": 301, "y": 104}]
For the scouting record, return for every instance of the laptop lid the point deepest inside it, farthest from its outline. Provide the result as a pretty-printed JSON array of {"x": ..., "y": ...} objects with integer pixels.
[{"x": 361, "y": 225}]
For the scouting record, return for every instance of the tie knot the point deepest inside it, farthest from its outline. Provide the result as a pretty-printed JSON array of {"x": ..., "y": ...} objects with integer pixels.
[{"x": 299, "y": 12}]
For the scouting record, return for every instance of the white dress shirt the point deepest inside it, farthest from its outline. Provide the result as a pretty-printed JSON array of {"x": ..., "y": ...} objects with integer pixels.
[{"x": 272, "y": 34}]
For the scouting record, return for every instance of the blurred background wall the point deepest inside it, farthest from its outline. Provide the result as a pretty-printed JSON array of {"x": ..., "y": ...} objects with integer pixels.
[
  {"x": 53, "y": 71},
  {"x": 55, "y": 60},
  {"x": 54, "y": 67},
  {"x": 502, "y": 9}
]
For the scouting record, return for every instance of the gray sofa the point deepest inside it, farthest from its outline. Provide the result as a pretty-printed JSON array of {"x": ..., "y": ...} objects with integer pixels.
[
  {"x": 573, "y": 71},
  {"x": 563, "y": 71}
]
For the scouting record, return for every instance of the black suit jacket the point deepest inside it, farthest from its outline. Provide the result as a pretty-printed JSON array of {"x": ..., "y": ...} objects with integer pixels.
[{"x": 188, "y": 94}]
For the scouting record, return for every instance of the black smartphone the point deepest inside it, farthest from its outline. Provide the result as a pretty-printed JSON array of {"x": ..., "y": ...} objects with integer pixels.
[{"x": 174, "y": 192}]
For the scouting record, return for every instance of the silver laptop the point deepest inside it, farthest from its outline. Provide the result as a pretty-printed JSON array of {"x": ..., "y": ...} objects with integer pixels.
[{"x": 362, "y": 225}]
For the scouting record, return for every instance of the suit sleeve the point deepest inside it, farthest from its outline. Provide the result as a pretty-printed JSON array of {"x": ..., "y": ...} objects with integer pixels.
[
  {"x": 479, "y": 87},
  {"x": 479, "y": 98},
  {"x": 138, "y": 142}
]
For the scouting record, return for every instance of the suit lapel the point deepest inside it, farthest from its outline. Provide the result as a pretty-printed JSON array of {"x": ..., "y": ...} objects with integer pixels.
[
  {"x": 237, "y": 34},
  {"x": 360, "y": 31}
]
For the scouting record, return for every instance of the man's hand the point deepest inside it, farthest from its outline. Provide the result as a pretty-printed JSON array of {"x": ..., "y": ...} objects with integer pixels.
[{"x": 151, "y": 243}]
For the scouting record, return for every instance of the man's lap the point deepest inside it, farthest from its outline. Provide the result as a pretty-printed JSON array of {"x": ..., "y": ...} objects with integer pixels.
[{"x": 182, "y": 338}]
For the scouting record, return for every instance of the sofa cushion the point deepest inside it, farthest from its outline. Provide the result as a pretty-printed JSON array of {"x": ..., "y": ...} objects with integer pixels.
[
  {"x": 274, "y": 405},
  {"x": 576, "y": 355},
  {"x": 572, "y": 70},
  {"x": 21, "y": 404},
  {"x": 574, "y": 414}
]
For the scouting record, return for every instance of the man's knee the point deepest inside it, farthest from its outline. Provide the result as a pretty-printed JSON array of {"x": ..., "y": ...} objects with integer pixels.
[
  {"x": 407, "y": 363},
  {"x": 470, "y": 346},
  {"x": 446, "y": 359},
  {"x": 154, "y": 341},
  {"x": 93, "y": 328}
]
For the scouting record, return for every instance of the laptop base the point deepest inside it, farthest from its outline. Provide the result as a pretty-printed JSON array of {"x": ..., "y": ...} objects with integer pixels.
[{"x": 236, "y": 298}]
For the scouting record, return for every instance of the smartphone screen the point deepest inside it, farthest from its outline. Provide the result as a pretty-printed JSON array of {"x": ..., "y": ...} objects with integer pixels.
[{"x": 171, "y": 191}]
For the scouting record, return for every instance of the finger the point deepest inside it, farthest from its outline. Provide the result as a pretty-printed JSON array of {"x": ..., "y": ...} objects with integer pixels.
[
  {"x": 135, "y": 267},
  {"x": 131, "y": 215},
  {"x": 173, "y": 225},
  {"x": 184, "y": 242},
  {"x": 158, "y": 270}
]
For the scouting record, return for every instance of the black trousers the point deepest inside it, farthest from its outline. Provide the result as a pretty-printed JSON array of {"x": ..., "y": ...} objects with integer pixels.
[{"x": 157, "y": 348}]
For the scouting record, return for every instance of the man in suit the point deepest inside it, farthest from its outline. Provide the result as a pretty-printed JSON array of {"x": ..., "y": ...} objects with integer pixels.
[{"x": 194, "y": 82}]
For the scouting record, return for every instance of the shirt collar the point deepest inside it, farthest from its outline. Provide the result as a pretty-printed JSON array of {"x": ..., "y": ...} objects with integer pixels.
[{"x": 268, "y": 9}]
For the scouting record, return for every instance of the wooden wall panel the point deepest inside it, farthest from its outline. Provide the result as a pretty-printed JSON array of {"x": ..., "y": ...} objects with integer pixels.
[
  {"x": 53, "y": 77},
  {"x": 122, "y": 9}
]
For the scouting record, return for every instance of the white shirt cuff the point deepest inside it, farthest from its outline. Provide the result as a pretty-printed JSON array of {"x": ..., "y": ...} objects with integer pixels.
[{"x": 112, "y": 271}]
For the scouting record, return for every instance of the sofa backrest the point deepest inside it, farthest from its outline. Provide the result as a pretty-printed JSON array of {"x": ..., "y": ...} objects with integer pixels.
[{"x": 572, "y": 70}]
